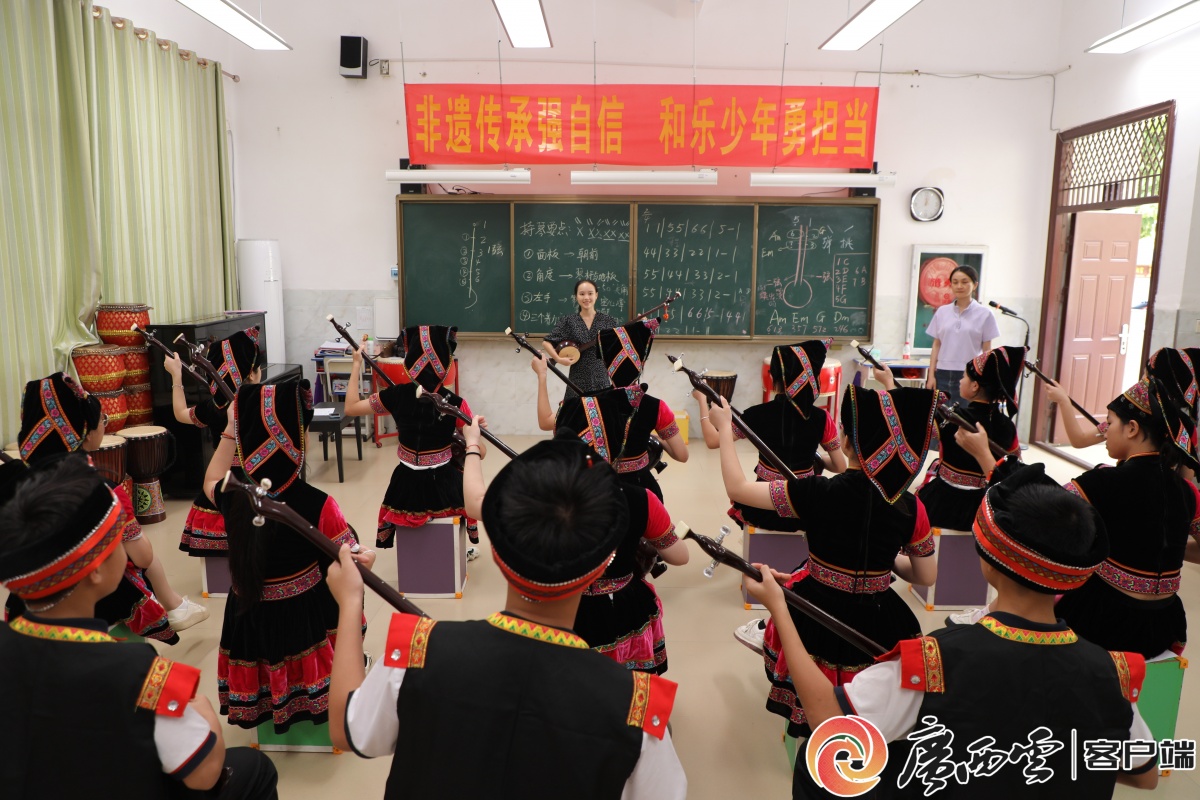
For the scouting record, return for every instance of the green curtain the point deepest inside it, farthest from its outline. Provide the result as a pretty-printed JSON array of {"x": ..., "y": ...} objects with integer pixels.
[{"x": 115, "y": 183}]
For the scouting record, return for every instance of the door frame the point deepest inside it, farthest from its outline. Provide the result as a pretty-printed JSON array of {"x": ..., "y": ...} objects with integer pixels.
[{"x": 1059, "y": 243}]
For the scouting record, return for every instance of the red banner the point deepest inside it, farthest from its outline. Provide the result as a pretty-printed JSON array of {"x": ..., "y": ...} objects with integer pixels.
[{"x": 642, "y": 125}]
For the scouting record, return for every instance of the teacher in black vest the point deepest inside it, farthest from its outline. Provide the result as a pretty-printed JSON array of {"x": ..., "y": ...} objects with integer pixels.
[{"x": 565, "y": 343}]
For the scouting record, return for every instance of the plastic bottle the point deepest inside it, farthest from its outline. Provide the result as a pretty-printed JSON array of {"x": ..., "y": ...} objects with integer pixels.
[{"x": 907, "y": 349}]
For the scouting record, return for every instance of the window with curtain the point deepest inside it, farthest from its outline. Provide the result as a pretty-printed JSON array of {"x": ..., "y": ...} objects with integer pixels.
[{"x": 114, "y": 184}]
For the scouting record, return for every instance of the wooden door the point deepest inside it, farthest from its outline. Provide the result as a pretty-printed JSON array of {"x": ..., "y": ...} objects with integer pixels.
[{"x": 1096, "y": 323}]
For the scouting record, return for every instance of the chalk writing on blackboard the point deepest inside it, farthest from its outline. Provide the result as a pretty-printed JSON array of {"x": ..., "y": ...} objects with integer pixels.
[
  {"x": 828, "y": 266},
  {"x": 475, "y": 246},
  {"x": 704, "y": 253}
]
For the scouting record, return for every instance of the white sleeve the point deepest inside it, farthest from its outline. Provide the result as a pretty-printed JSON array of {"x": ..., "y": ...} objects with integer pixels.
[
  {"x": 372, "y": 724},
  {"x": 1138, "y": 729},
  {"x": 991, "y": 329},
  {"x": 658, "y": 774},
  {"x": 876, "y": 695},
  {"x": 182, "y": 742}
]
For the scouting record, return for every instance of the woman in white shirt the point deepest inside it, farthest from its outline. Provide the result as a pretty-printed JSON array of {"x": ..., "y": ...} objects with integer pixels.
[{"x": 960, "y": 330}]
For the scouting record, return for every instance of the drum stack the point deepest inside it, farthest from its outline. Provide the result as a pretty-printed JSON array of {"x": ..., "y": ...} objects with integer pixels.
[{"x": 118, "y": 371}]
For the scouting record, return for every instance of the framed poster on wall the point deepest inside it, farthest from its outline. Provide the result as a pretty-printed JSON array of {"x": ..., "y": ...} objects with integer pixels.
[{"x": 929, "y": 288}]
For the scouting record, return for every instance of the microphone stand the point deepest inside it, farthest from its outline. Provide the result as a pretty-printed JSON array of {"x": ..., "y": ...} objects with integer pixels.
[{"x": 1021, "y": 380}]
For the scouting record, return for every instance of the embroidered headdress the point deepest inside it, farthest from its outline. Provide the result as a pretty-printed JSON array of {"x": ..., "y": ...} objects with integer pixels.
[
  {"x": 624, "y": 350},
  {"x": 890, "y": 432},
  {"x": 1177, "y": 371},
  {"x": 427, "y": 352},
  {"x": 1161, "y": 411},
  {"x": 797, "y": 368},
  {"x": 270, "y": 423},
  {"x": 998, "y": 370},
  {"x": 601, "y": 421},
  {"x": 565, "y": 564},
  {"x": 235, "y": 357},
  {"x": 53, "y": 563},
  {"x": 56, "y": 416},
  {"x": 1042, "y": 557}
]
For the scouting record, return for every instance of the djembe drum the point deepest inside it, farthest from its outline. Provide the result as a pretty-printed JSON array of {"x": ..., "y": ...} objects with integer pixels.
[
  {"x": 111, "y": 457},
  {"x": 722, "y": 383},
  {"x": 151, "y": 453}
]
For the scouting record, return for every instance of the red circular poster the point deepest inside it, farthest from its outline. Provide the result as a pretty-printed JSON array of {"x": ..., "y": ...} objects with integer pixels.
[{"x": 934, "y": 281}]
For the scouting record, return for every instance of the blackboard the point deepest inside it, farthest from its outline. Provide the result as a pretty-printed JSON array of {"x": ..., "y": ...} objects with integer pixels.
[
  {"x": 747, "y": 267},
  {"x": 456, "y": 265},
  {"x": 556, "y": 244},
  {"x": 814, "y": 270},
  {"x": 704, "y": 251}
]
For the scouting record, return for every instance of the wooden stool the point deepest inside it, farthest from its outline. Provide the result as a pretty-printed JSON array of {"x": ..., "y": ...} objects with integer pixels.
[
  {"x": 960, "y": 582},
  {"x": 431, "y": 561},
  {"x": 214, "y": 578},
  {"x": 781, "y": 549},
  {"x": 301, "y": 737}
]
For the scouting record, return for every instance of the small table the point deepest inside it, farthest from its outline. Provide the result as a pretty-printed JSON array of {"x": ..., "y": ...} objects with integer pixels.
[{"x": 329, "y": 426}]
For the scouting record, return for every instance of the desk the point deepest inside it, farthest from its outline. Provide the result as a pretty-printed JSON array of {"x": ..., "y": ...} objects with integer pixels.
[
  {"x": 329, "y": 426},
  {"x": 863, "y": 371}
]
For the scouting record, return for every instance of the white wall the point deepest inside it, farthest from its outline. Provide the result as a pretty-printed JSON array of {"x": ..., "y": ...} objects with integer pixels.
[
  {"x": 311, "y": 146},
  {"x": 1099, "y": 86}
]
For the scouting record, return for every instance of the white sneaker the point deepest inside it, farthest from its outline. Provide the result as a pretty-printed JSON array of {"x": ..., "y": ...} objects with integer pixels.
[
  {"x": 751, "y": 634},
  {"x": 187, "y": 615},
  {"x": 472, "y": 553},
  {"x": 968, "y": 617}
]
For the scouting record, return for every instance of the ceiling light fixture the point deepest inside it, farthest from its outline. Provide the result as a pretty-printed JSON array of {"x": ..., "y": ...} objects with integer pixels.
[
  {"x": 524, "y": 22},
  {"x": 870, "y": 21},
  {"x": 645, "y": 177},
  {"x": 237, "y": 23},
  {"x": 822, "y": 179},
  {"x": 514, "y": 176},
  {"x": 1150, "y": 29}
]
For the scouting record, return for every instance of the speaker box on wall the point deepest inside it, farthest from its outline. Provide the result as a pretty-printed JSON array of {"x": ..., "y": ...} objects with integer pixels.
[
  {"x": 354, "y": 57},
  {"x": 411, "y": 188}
]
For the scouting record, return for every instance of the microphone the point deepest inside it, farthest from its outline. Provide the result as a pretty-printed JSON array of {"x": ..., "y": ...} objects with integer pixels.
[{"x": 1003, "y": 309}]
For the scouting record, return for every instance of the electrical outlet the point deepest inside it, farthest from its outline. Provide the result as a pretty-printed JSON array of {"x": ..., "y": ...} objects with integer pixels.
[
  {"x": 385, "y": 67},
  {"x": 1198, "y": 326}
]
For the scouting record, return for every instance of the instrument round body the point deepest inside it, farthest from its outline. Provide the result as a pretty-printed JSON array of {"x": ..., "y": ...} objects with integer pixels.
[
  {"x": 722, "y": 382},
  {"x": 568, "y": 351},
  {"x": 110, "y": 458},
  {"x": 140, "y": 401},
  {"x": 101, "y": 367},
  {"x": 151, "y": 450},
  {"x": 137, "y": 365},
  {"x": 113, "y": 321},
  {"x": 116, "y": 406}
]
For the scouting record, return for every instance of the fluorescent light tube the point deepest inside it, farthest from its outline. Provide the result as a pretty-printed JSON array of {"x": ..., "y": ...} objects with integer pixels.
[
  {"x": 237, "y": 23},
  {"x": 823, "y": 179},
  {"x": 457, "y": 175},
  {"x": 870, "y": 21},
  {"x": 524, "y": 22},
  {"x": 702, "y": 177},
  {"x": 1150, "y": 29}
]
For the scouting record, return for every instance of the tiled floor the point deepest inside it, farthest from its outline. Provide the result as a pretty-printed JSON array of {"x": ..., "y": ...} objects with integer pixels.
[{"x": 729, "y": 744}]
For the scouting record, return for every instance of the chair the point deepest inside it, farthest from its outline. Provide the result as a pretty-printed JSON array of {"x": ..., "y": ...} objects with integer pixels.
[{"x": 337, "y": 377}]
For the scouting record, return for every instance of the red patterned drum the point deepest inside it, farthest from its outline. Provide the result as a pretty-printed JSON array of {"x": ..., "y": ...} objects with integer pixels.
[
  {"x": 137, "y": 364},
  {"x": 115, "y": 405},
  {"x": 101, "y": 367},
  {"x": 140, "y": 401},
  {"x": 151, "y": 453},
  {"x": 110, "y": 458},
  {"x": 113, "y": 321}
]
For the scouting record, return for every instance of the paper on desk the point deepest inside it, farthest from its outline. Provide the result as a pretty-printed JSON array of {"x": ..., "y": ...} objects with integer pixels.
[{"x": 323, "y": 412}]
